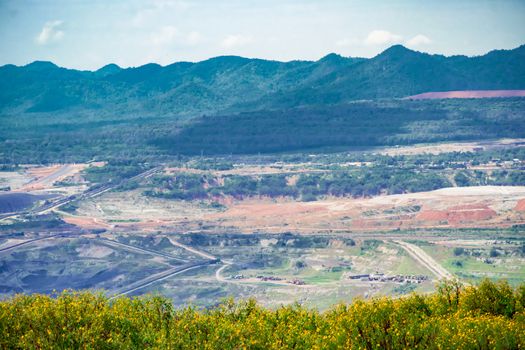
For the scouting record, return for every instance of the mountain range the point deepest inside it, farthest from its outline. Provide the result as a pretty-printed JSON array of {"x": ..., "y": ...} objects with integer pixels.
[
  {"x": 235, "y": 105},
  {"x": 229, "y": 84}
]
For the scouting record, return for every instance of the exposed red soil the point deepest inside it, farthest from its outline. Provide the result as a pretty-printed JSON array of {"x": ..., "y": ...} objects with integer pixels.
[
  {"x": 455, "y": 217},
  {"x": 453, "y": 208},
  {"x": 85, "y": 222},
  {"x": 433, "y": 215},
  {"x": 474, "y": 206},
  {"x": 520, "y": 206},
  {"x": 468, "y": 94},
  {"x": 385, "y": 212},
  {"x": 276, "y": 209}
]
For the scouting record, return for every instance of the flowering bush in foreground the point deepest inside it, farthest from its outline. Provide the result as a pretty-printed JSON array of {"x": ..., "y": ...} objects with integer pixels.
[{"x": 488, "y": 316}]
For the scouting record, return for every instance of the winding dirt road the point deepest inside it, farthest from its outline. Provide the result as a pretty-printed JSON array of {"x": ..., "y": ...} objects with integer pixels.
[{"x": 218, "y": 275}]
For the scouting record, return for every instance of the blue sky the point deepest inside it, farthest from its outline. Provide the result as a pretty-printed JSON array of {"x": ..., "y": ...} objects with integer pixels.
[{"x": 87, "y": 34}]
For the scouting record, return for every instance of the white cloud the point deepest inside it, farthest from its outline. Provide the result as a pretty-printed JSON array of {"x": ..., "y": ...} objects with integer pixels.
[
  {"x": 171, "y": 4},
  {"x": 172, "y": 35},
  {"x": 165, "y": 35},
  {"x": 150, "y": 13},
  {"x": 418, "y": 40},
  {"x": 51, "y": 32},
  {"x": 235, "y": 40},
  {"x": 141, "y": 18},
  {"x": 382, "y": 37},
  {"x": 193, "y": 38},
  {"x": 347, "y": 42}
]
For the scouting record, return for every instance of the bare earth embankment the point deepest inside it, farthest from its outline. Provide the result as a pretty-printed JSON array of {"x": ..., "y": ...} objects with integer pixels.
[
  {"x": 465, "y": 207},
  {"x": 458, "y": 207}
]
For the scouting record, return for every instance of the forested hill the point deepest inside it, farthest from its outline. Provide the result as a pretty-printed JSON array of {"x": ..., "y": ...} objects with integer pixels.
[
  {"x": 235, "y": 105},
  {"x": 235, "y": 84}
]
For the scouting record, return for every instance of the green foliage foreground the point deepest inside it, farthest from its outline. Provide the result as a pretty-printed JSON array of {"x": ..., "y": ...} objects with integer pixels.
[{"x": 489, "y": 316}]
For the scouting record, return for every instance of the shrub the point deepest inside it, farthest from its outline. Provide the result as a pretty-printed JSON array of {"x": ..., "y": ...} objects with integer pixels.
[
  {"x": 457, "y": 263},
  {"x": 494, "y": 253},
  {"x": 459, "y": 251},
  {"x": 488, "y": 316}
]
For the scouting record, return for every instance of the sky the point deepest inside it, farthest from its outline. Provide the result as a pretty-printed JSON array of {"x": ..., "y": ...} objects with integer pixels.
[{"x": 88, "y": 34}]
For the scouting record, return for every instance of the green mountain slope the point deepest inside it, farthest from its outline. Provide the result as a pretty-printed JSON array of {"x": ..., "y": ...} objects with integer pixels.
[
  {"x": 238, "y": 105},
  {"x": 239, "y": 84}
]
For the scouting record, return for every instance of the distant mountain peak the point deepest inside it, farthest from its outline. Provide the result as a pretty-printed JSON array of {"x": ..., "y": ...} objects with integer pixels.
[
  {"x": 151, "y": 65},
  {"x": 335, "y": 60},
  {"x": 399, "y": 53},
  {"x": 332, "y": 58},
  {"x": 108, "y": 69},
  {"x": 397, "y": 50},
  {"x": 229, "y": 59},
  {"x": 111, "y": 66},
  {"x": 399, "y": 47},
  {"x": 41, "y": 65}
]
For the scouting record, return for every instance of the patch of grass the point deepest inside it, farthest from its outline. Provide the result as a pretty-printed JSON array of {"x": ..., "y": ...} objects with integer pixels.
[
  {"x": 323, "y": 277},
  {"x": 409, "y": 266}
]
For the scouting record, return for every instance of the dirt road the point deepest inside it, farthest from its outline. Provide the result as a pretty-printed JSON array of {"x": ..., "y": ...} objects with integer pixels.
[
  {"x": 192, "y": 250},
  {"x": 426, "y": 260},
  {"x": 135, "y": 249},
  {"x": 47, "y": 181},
  {"x": 218, "y": 275},
  {"x": 170, "y": 272},
  {"x": 89, "y": 193},
  {"x": 132, "y": 287},
  {"x": 29, "y": 241}
]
